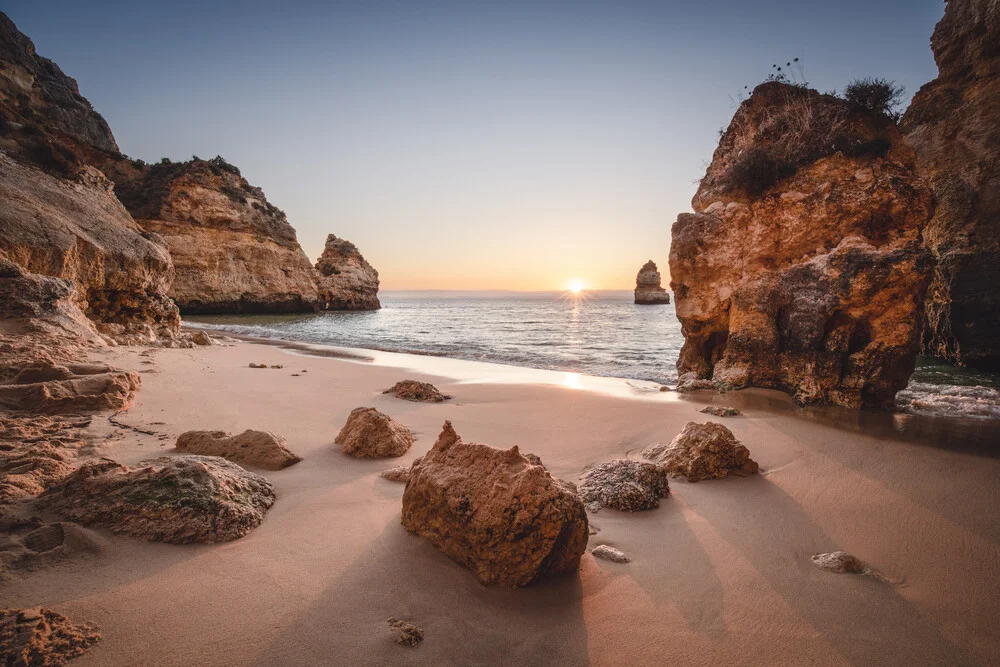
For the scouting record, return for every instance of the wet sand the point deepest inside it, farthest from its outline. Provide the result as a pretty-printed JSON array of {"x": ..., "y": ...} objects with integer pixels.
[{"x": 720, "y": 573}]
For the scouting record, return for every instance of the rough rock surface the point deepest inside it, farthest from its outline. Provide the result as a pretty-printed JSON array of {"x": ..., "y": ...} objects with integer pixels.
[
  {"x": 720, "y": 411},
  {"x": 372, "y": 434},
  {"x": 802, "y": 268},
  {"x": 840, "y": 562},
  {"x": 703, "y": 451},
  {"x": 647, "y": 286},
  {"x": 180, "y": 500},
  {"x": 233, "y": 251},
  {"x": 254, "y": 448},
  {"x": 495, "y": 511},
  {"x": 32, "y": 544},
  {"x": 345, "y": 280},
  {"x": 40, "y": 636},
  {"x": 35, "y": 452},
  {"x": 952, "y": 125},
  {"x": 58, "y": 389},
  {"x": 624, "y": 485},
  {"x": 412, "y": 390},
  {"x": 77, "y": 230},
  {"x": 608, "y": 552},
  {"x": 405, "y": 634},
  {"x": 396, "y": 474}
]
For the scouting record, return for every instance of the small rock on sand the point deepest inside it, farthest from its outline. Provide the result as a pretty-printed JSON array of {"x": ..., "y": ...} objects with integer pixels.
[
  {"x": 396, "y": 474},
  {"x": 255, "y": 448},
  {"x": 608, "y": 552},
  {"x": 720, "y": 411},
  {"x": 412, "y": 390},
  {"x": 405, "y": 634},
  {"x": 201, "y": 338},
  {"x": 253, "y": 365},
  {"x": 624, "y": 485},
  {"x": 372, "y": 434},
  {"x": 840, "y": 562},
  {"x": 41, "y": 636},
  {"x": 703, "y": 451}
]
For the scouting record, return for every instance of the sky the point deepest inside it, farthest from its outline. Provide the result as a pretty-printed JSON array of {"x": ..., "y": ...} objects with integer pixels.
[{"x": 465, "y": 145}]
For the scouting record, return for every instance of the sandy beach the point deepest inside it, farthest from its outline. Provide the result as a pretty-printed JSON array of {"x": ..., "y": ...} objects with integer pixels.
[{"x": 720, "y": 572}]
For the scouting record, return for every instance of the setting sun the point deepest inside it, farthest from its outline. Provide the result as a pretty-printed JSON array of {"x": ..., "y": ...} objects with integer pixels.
[{"x": 576, "y": 285}]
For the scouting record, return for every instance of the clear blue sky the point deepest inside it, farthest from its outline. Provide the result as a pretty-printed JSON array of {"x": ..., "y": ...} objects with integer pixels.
[{"x": 460, "y": 144}]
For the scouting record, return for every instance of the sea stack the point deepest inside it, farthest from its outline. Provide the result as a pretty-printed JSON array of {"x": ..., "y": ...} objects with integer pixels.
[
  {"x": 648, "y": 291},
  {"x": 953, "y": 126},
  {"x": 345, "y": 279},
  {"x": 803, "y": 268}
]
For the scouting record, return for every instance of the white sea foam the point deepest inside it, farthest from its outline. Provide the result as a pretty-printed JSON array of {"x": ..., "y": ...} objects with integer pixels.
[{"x": 937, "y": 400}]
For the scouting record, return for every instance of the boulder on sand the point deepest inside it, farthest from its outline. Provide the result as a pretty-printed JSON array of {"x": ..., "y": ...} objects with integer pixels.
[
  {"x": 703, "y": 451},
  {"x": 254, "y": 448},
  {"x": 412, "y": 390},
  {"x": 372, "y": 434},
  {"x": 180, "y": 499},
  {"x": 624, "y": 485},
  {"x": 494, "y": 511}
]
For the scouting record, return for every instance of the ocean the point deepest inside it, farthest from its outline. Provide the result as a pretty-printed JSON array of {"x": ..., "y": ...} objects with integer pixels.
[{"x": 598, "y": 333}]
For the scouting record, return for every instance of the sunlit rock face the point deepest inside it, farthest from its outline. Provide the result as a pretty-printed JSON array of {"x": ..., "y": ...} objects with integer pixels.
[
  {"x": 953, "y": 124},
  {"x": 60, "y": 216},
  {"x": 802, "y": 268},
  {"x": 647, "y": 286},
  {"x": 345, "y": 280},
  {"x": 233, "y": 251}
]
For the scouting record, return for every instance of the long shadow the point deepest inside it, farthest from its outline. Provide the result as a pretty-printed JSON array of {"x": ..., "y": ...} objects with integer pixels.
[
  {"x": 777, "y": 537},
  {"x": 463, "y": 621}
]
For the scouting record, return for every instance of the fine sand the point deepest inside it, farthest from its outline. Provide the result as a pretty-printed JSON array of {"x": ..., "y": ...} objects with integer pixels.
[{"x": 719, "y": 574}]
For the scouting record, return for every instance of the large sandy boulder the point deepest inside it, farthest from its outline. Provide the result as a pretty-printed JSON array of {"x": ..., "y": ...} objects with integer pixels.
[
  {"x": 180, "y": 500},
  {"x": 372, "y": 434},
  {"x": 952, "y": 124},
  {"x": 40, "y": 636},
  {"x": 260, "y": 449},
  {"x": 648, "y": 291},
  {"x": 802, "y": 268},
  {"x": 495, "y": 511},
  {"x": 624, "y": 485},
  {"x": 346, "y": 281},
  {"x": 703, "y": 451},
  {"x": 233, "y": 251}
]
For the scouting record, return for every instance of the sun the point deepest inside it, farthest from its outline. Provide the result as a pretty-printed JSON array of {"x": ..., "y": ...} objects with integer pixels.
[{"x": 576, "y": 285}]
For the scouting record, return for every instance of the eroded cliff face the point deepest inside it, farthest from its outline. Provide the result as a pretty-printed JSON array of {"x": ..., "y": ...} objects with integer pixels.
[
  {"x": 953, "y": 124},
  {"x": 802, "y": 268},
  {"x": 345, "y": 280},
  {"x": 60, "y": 216},
  {"x": 233, "y": 251}
]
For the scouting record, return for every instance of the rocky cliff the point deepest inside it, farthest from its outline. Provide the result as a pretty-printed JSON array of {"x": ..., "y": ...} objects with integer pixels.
[
  {"x": 60, "y": 216},
  {"x": 802, "y": 268},
  {"x": 953, "y": 124},
  {"x": 233, "y": 251},
  {"x": 345, "y": 280},
  {"x": 647, "y": 286}
]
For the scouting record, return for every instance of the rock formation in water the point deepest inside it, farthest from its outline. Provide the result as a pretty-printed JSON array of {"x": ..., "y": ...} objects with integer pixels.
[
  {"x": 180, "y": 500},
  {"x": 703, "y": 451},
  {"x": 260, "y": 449},
  {"x": 495, "y": 511},
  {"x": 802, "y": 268},
  {"x": 60, "y": 216},
  {"x": 233, "y": 251},
  {"x": 647, "y": 286},
  {"x": 346, "y": 281},
  {"x": 953, "y": 126}
]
